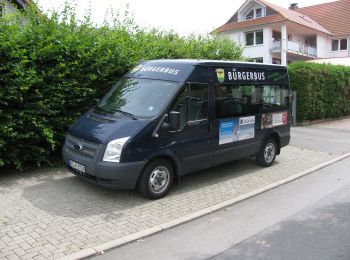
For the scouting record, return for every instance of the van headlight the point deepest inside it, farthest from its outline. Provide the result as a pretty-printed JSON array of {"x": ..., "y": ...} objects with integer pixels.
[{"x": 114, "y": 149}]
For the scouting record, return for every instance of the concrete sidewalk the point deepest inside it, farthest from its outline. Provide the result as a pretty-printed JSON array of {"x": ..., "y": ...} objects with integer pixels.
[{"x": 52, "y": 214}]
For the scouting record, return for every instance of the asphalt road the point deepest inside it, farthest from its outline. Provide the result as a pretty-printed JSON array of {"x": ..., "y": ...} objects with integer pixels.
[{"x": 305, "y": 219}]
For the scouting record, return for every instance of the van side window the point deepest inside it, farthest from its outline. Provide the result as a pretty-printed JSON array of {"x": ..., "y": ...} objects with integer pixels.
[
  {"x": 198, "y": 102},
  {"x": 275, "y": 95},
  {"x": 237, "y": 100},
  {"x": 192, "y": 103},
  {"x": 181, "y": 105}
]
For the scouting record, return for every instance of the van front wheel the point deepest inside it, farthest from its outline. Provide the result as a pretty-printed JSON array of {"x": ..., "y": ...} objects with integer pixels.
[
  {"x": 156, "y": 179},
  {"x": 267, "y": 154}
]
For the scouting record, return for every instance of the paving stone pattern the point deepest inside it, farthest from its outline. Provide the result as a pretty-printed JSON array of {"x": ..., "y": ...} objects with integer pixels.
[{"x": 50, "y": 214}]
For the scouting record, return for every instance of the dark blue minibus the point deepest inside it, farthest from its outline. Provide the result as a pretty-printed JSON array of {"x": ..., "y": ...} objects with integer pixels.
[{"x": 168, "y": 118}]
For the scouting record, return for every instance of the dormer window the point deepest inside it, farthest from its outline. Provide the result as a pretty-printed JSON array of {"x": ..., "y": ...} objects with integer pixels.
[
  {"x": 250, "y": 15},
  {"x": 258, "y": 12},
  {"x": 255, "y": 13}
]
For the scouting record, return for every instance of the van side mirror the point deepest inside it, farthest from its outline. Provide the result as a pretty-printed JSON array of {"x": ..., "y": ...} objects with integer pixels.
[{"x": 174, "y": 121}]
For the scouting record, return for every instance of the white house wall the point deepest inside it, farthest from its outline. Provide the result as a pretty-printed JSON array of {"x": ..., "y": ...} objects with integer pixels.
[
  {"x": 258, "y": 51},
  {"x": 323, "y": 46}
]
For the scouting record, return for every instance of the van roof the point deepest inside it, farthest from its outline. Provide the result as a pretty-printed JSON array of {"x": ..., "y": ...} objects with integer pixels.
[{"x": 194, "y": 62}]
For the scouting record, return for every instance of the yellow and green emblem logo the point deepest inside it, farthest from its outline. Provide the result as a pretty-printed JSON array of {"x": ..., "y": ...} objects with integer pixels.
[{"x": 220, "y": 73}]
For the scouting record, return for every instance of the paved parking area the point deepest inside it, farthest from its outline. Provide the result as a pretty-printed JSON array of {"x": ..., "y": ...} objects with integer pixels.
[{"x": 50, "y": 214}]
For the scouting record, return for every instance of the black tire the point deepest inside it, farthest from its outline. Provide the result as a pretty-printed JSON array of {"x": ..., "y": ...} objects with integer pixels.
[
  {"x": 267, "y": 153},
  {"x": 154, "y": 174}
]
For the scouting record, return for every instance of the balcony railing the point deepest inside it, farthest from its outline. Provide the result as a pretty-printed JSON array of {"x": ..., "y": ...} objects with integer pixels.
[{"x": 295, "y": 47}]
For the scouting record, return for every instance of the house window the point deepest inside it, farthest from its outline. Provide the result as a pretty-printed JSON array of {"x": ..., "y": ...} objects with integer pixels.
[
  {"x": 254, "y": 38},
  {"x": 341, "y": 44},
  {"x": 249, "y": 38},
  {"x": 2, "y": 10},
  {"x": 259, "y": 37},
  {"x": 257, "y": 60},
  {"x": 258, "y": 12},
  {"x": 250, "y": 15},
  {"x": 276, "y": 61},
  {"x": 276, "y": 35}
]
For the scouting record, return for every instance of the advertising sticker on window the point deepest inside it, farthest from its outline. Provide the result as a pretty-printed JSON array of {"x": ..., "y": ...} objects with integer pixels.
[
  {"x": 236, "y": 129},
  {"x": 274, "y": 119}
]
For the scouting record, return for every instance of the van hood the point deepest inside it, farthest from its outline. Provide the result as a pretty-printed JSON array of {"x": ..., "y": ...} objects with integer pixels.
[{"x": 102, "y": 128}]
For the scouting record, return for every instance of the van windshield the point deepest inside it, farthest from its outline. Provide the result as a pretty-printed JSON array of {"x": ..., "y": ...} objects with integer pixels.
[{"x": 144, "y": 98}]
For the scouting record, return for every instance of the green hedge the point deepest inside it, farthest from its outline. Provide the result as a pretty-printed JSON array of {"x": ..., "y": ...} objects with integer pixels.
[
  {"x": 323, "y": 90},
  {"x": 53, "y": 69}
]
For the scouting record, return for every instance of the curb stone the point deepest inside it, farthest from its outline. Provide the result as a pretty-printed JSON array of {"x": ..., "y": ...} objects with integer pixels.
[{"x": 150, "y": 231}]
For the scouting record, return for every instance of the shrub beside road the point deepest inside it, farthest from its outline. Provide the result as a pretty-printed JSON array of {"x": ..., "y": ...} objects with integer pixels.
[{"x": 323, "y": 90}]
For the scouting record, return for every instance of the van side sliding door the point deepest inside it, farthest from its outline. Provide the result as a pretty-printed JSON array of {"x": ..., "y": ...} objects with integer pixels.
[{"x": 236, "y": 126}]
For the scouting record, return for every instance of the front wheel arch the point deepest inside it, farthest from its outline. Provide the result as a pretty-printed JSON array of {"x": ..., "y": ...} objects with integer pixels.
[{"x": 148, "y": 190}]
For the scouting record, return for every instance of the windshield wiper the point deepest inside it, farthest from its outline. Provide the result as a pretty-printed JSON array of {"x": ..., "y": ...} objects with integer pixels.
[{"x": 125, "y": 113}]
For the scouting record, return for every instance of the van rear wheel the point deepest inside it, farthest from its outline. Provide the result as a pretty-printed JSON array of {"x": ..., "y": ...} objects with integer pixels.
[
  {"x": 267, "y": 154},
  {"x": 156, "y": 179}
]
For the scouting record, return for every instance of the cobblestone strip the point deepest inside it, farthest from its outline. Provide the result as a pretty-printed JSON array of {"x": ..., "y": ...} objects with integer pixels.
[{"x": 52, "y": 214}]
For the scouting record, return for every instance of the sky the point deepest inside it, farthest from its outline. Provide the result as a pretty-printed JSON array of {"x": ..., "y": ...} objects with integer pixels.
[{"x": 182, "y": 16}]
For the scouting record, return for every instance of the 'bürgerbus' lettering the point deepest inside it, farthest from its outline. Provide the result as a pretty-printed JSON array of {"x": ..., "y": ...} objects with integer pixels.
[
  {"x": 245, "y": 75},
  {"x": 160, "y": 70}
]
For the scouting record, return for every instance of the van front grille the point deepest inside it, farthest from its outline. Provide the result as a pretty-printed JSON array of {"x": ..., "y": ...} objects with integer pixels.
[{"x": 81, "y": 147}]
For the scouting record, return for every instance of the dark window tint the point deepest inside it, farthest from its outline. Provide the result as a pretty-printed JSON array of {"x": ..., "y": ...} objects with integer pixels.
[
  {"x": 139, "y": 97},
  {"x": 250, "y": 15},
  {"x": 192, "y": 103},
  {"x": 258, "y": 12},
  {"x": 233, "y": 100},
  {"x": 334, "y": 45},
  {"x": 249, "y": 38},
  {"x": 343, "y": 44},
  {"x": 259, "y": 37},
  {"x": 198, "y": 102},
  {"x": 275, "y": 95},
  {"x": 181, "y": 105}
]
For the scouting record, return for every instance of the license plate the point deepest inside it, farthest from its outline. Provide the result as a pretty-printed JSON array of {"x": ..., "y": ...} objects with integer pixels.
[{"x": 77, "y": 166}]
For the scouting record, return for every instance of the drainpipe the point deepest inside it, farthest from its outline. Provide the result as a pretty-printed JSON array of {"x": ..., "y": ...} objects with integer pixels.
[{"x": 284, "y": 44}]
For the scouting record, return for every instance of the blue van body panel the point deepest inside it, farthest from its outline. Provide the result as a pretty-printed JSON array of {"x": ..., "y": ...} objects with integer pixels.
[
  {"x": 193, "y": 148},
  {"x": 102, "y": 129}
]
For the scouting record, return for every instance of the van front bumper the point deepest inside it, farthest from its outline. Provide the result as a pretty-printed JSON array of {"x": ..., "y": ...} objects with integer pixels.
[{"x": 106, "y": 174}]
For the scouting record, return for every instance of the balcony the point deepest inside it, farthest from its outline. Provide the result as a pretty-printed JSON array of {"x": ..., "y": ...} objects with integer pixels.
[{"x": 296, "y": 48}]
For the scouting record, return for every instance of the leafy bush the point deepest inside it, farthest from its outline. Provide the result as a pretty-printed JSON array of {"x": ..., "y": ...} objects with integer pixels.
[
  {"x": 53, "y": 69},
  {"x": 323, "y": 90}
]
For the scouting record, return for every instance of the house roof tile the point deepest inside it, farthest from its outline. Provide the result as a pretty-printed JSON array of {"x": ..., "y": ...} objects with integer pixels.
[
  {"x": 283, "y": 15},
  {"x": 295, "y": 16},
  {"x": 251, "y": 23},
  {"x": 334, "y": 16}
]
